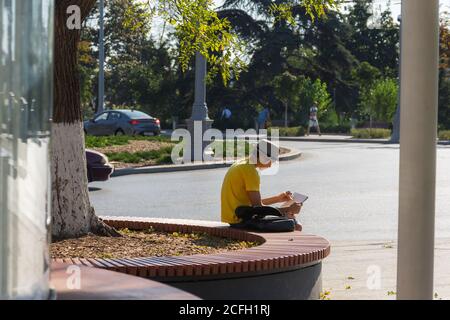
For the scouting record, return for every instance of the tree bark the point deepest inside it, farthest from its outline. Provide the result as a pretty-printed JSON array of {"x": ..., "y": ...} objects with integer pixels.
[{"x": 72, "y": 214}]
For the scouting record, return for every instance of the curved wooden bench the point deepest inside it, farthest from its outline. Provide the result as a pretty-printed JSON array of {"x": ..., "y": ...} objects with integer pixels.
[
  {"x": 277, "y": 253},
  {"x": 99, "y": 284}
]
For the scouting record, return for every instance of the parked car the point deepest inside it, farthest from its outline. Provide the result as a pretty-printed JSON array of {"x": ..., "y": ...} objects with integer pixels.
[
  {"x": 122, "y": 122},
  {"x": 98, "y": 166}
]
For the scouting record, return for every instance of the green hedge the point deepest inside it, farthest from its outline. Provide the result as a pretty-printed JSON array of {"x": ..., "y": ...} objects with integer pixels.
[
  {"x": 289, "y": 132},
  {"x": 444, "y": 135},
  {"x": 371, "y": 133},
  {"x": 343, "y": 128},
  {"x": 301, "y": 131}
]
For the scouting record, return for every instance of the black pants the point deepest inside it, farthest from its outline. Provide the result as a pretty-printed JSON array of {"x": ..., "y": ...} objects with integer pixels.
[{"x": 264, "y": 218}]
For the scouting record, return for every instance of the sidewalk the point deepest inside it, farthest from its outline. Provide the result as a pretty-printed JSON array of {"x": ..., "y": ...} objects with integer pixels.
[
  {"x": 353, "y": 267},
  {"x": 326, "y": 138},
  {"x": 334, "y": 138},
  {"x": 344, "y": 139}
]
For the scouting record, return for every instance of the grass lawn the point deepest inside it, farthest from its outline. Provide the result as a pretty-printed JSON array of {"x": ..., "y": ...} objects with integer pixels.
[
  {"x": 93, "y": 142},
  {"x": 139, "y": 151},
  {"x": 133, "y": 151}
]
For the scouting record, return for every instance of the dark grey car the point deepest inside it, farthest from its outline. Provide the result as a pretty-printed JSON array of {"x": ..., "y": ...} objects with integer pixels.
[{"x": 122, "y": 122}]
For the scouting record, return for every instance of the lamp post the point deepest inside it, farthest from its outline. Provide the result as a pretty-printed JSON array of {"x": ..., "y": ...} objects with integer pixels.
[
  {"x": 199, "y": 121},
  {"x": 418, "y": 133},
  {"x": 101, "y": 57}
]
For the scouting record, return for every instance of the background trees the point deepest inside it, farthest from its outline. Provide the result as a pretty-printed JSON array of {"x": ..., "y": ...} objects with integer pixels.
[
  {"x": 347, "y": 50},
  {"x": 197, "y": 28},
  {"x": 444, "y": 74}
]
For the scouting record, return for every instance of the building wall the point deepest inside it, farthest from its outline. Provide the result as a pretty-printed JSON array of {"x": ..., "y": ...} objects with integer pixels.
[{"x": 26, "y": 75}]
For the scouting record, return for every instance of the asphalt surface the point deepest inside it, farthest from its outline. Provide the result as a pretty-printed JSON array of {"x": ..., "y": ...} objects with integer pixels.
[{"x": 352, "y": 189}]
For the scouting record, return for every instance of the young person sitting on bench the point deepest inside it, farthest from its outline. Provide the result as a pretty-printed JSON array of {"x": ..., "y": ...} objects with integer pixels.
[{"x": 241, "y": 202}]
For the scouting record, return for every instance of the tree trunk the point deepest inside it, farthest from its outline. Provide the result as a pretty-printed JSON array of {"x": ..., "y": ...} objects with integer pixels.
[
  {"x": 72, "y": 213},
  {"x": 286, "y": 115}
]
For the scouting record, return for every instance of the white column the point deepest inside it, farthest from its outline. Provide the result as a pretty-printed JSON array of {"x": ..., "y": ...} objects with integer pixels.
[{"x": 418, "y": 131}]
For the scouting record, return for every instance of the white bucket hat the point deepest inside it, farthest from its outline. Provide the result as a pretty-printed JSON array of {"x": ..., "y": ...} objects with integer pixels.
[{"x": 265, "y": 151}]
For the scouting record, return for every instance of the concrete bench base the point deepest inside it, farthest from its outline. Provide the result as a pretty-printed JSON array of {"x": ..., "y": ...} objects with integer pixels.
[{"x": 300, "y": 284}]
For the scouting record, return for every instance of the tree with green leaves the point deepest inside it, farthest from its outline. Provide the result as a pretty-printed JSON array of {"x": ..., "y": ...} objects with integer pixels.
[
  {"x": 379, "y": 100},
  {"x": 373, "y": 39},
  {"x": 198, "y": 28},
  {"x": 272, "y": 40},
  {"x": 299, "y": 93},
  {"x": 286, "y": 88}
]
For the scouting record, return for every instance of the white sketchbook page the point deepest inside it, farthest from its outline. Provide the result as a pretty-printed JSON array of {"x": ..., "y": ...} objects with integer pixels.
[
  {"x": 297, "y": 197},
  {"x": 300, "y": 198}
]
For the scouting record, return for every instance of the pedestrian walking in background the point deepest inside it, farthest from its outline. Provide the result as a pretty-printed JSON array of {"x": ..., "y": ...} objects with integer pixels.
[
  {"x": 313, "y": 119},
  {"x": 225, "y": 118},
  {"x": 263, "y": 118}
]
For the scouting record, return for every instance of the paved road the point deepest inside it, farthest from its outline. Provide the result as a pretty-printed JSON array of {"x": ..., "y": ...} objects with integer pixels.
[{"x": 352, "y": 188}]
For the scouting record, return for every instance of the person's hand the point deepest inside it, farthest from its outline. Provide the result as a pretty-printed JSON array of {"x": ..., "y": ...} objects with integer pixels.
[
  {"x": 285, "y": 196},
  {"x": 293, "y": 210}
]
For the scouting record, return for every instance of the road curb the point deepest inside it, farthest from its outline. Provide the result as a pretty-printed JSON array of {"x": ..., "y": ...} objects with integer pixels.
[
  {"x": 377, "y": 141},
  {"x": 291, "y": 155},
  {"x": 301, "y": 139}
]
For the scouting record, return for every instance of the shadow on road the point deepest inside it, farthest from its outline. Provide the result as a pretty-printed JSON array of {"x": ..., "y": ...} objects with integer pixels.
[{"x": 93, "y": 189}]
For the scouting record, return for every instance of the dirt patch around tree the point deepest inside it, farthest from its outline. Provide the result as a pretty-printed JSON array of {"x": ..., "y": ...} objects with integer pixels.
[
  {"x": 148, "y": 243},
  {"x": 144, "y": 153},
  {"x": 135, "y": 146},
  {"x": 139, "y": 153}
]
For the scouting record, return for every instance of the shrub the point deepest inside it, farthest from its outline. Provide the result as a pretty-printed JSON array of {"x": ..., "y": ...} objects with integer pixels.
[
  {"x": 444, "y": 135},
  {"x": 289, "y": 132},
  {"x": 341, "y": 128},
  {"x": 371, "y": 133}
]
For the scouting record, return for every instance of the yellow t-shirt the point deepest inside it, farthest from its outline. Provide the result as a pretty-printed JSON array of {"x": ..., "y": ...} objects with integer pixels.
[{"x": 240, "y": 178}]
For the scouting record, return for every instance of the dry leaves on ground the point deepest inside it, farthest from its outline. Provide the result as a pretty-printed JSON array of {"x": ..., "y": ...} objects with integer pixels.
[
  {"x": 135, "y": 146},
  {"x": 144, "y": 244}
]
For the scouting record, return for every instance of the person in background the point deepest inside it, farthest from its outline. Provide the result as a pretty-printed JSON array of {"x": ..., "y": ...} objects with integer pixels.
[
  {"x": 313, "y": 119},
  {"x": 225, "y": 118},
  {"x": 263, "y": 118}
]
